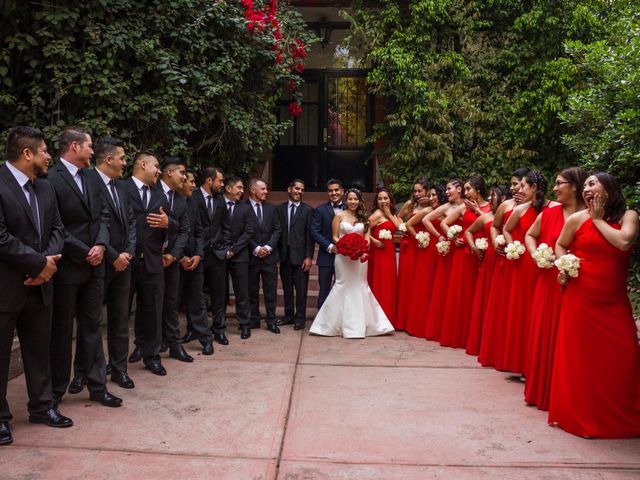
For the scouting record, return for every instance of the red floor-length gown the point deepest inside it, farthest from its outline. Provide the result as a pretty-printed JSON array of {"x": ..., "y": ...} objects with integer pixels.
[
  {"x": 406, "y": 274},
  {"x": 381, "y": 271},
  {"x": 545, "y": 311},
  {"x": 421, "y": 293},
  {"x": 494, "y": 319},
  {"x": 462, "y": 283},
  {"x": 483, "y": 287},
  {"x": 518, "y": 319},
  {"x": 441, "y": 273},
  {"x": 595, "y": 386}
]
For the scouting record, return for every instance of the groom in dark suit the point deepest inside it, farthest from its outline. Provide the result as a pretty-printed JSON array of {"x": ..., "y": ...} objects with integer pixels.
[{"x": 322, "y": 235}]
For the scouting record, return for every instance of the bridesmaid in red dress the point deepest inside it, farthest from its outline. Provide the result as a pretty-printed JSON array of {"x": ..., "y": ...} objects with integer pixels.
[
  {"x": 547, "y": 295},
  {"x": 494, "y": 319},
  {"x": 464, "y": 265},
  {"x": 408, "y": 251},
  {"x": 481, "y": 228},
  {"x": 533, "y": 191},
  {"x": 425, "y": 264},
  {"x": 381, "y": 270},
  {"x": 595, "y": 387},
  {"x": 433, "y": 320}
]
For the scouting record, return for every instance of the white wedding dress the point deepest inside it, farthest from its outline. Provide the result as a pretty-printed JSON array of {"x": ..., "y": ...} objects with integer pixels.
[{"x": 351, "y": 310}]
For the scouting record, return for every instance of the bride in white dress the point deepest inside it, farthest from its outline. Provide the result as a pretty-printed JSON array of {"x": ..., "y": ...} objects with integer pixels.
[{"x": 351, "y": 310}]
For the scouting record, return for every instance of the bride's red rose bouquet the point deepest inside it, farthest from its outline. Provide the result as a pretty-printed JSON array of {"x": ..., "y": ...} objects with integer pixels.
[{"x": 353, "y": 246}]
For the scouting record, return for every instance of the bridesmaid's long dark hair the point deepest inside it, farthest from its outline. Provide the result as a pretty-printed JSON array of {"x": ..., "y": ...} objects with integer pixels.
[
  {"x": 615, "y": 204},
  {"x": 537, "y": 179},
  {"x": 361, "y": 212},
  {"x": 576, "y": 176},
  {"x": 391, "y": 200}
]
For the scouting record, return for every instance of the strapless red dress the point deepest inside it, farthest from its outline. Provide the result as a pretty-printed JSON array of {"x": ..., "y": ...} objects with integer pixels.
[
  {"x": 518, "y": 319},
  {"x": 462, "y": 282},
  {"x": 381, "y": 270},
  {"x": 545, "y": 311},
  {"x": 433, "y": 322},
  {"x": 494, "y": 319},
  {"x": 481, "y": 294},
  {"x": 421, "y": 293},
  {"x": 406, "y": 274},
  {"x": 595, "y": 386}
]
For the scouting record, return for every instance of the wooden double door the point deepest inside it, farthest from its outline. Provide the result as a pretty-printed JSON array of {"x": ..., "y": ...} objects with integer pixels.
[{"x": 328, "y": 139}]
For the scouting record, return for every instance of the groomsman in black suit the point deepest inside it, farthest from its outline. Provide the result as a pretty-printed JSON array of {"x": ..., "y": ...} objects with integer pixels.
[
  {"x": 323, "y": 236},
  {"x": 203, "y": 212},
  {"x": 263, "y": 251},
  {"x": 171, "y": 183},
  {"x": 152, "y": 226},
  {"x": 31, "y": 239},
  {"x": 79, "y": 283},
  {"x": 110, "y": 166},
  {"x": 296, "y": 254},
  {"x": 237, "y": 254}
]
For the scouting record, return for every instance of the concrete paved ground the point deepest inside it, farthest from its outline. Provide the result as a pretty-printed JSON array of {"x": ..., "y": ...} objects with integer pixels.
[{"x": 299, "y": 407}]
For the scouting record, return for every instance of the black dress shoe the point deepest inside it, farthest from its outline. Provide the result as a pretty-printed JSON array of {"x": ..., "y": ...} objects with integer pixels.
[
  {"x": 77, "y": 384},
  {"x": 221, "y": 338},
  {"x": 136, "y": 355},
  {"x": 179, "y": 353},
  {"x": 245, "y": 332},
  {"x": 285, "y": 321},
  {"x": 122, "y": 379},
  {"x": 5, "y": 434},
  {"x": 105, "y": 398},
  {"x": 273, "y": 328},
  {"x": 298, "y": 326},
  {"x": 51, "y": 418},
  {"x": 155, "y": 367},
  {"x": 207, "y": 348},
  {"x": 188, "y": 337}
]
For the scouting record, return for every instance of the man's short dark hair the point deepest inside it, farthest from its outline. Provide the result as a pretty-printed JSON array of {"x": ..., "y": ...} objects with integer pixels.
[
  {"x": 293, "y": 182},
  {"x": 138, "y": 155},
  {"x": 70, "y": 135},
  {"x": 106, "y": 146},
  {"x": 334, "y": 181},
  {"x": 209, "y": 172},
  {"x": 22, "y": 137},
  {"x": 231, "y": 180}
]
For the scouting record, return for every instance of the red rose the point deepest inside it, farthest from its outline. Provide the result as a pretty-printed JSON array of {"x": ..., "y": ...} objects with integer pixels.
[
  {"x": 353, "y": 246},
  {"x": 295, "y": 109}
]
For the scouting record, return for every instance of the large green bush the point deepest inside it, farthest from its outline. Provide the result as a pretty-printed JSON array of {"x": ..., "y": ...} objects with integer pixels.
[{"x": 180, "y": 77}]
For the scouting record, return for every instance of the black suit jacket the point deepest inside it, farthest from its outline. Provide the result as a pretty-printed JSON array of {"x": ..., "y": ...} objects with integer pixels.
[
  {"x": 196, "y": 239},
  {"x": 321, "y": 231},
  {"x": 177, "y": 240},
  {"x": 217, "y": 228},
  {"x": 297, "y": 238},
  {"x": 240, "y": 231},
  {"x": 122, "y": 223},
  {"x": 266, "y": 233},
  {"x": 22, "y": 251},
  {"x": 86, "y": 222},
  {"x": 149, "y": 241}
]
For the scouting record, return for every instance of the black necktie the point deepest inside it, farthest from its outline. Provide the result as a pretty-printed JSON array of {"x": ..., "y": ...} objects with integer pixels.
[
  {"x": 145, "y": 196},
  {"x": 293, "y": 212},
  {"x": 83, "y": 183},
  {"x": 171, "y": 200},
  {"x": 230, "y": 207},
  {"x": 114, "y": 194},
  {"x": 210, "y": 206},
  {"x": 338, "y": 206},
  {"x": 259, "y": 208},
  {"x": 33, "y": 202}
]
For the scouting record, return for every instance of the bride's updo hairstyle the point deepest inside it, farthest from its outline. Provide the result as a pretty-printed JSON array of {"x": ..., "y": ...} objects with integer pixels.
[
  {"x": 392, "y": 202},
  {"x": 361, "y": 212},
  {"x": 537, "y": 179}
]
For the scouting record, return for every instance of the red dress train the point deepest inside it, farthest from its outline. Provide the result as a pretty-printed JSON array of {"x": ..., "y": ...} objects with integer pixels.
[
  {"x": 406, "y": 274},
  {"x": 545, "y": 311},
  {"x": 381, "y": 271},
  {"x": 518, "y": 318},
  {"x": 481, "y": 295},
  {"x": 595, "y": 387},
  {"x": 424, "y": 265}
]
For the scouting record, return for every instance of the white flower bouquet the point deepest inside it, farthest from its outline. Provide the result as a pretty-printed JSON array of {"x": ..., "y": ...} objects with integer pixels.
[
  {"x": 568, "y": 264},
  {"x": 402, "y": 227},
  {"x": 543, "y": 256},
  {"x": 454, "y": 231},
  {"x": 481, "y": 243},
  {"x": 500, "y": 240},
  {"x": 385, "y": 234},
  {"x": 514, "y": 250},
  {"x": 443, "y": 247},
  {"x": 423, "y": 239}
]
